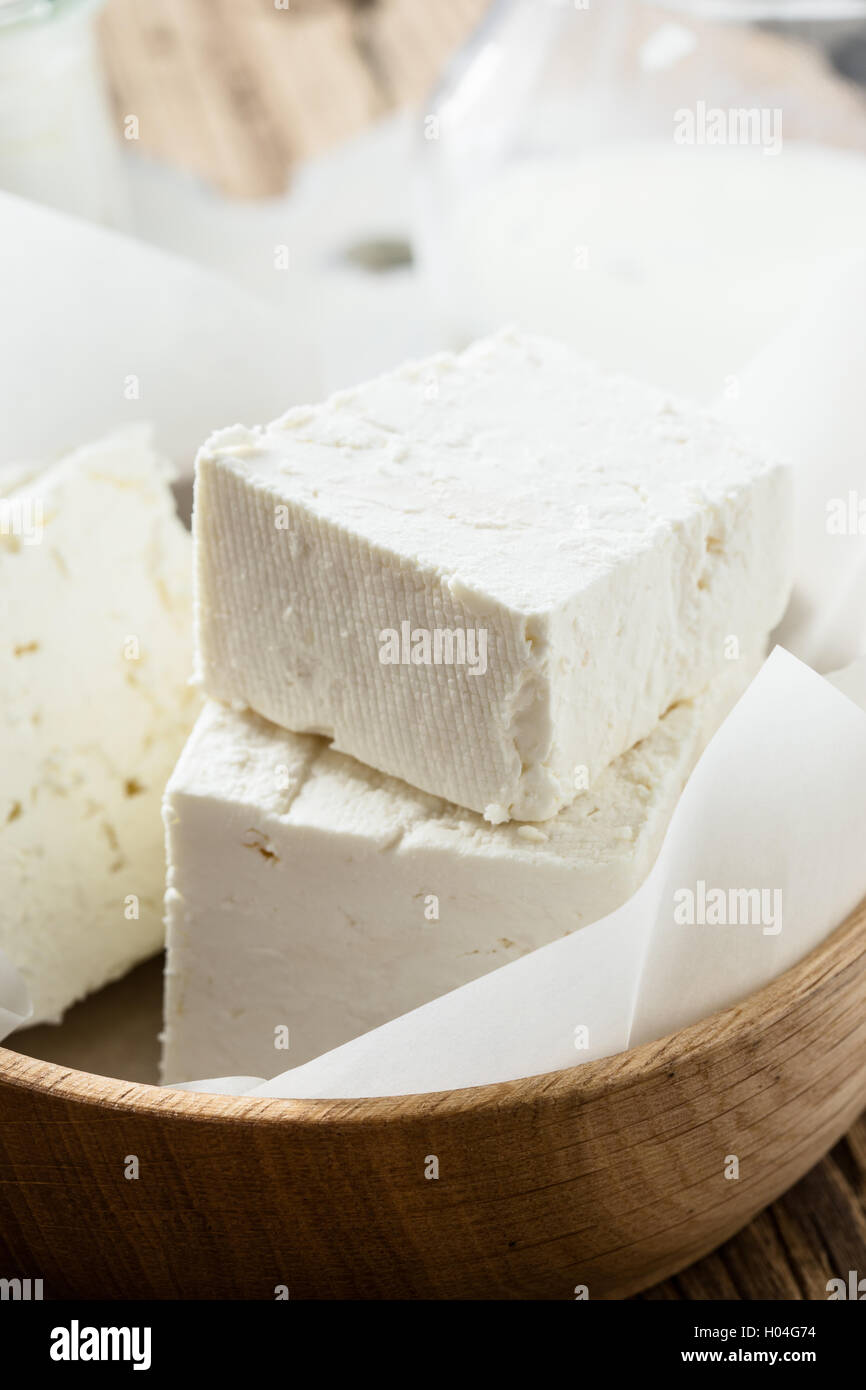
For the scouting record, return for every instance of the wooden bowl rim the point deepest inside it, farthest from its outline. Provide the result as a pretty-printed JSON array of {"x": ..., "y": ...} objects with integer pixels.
[{"x": 644, "y": 1064}]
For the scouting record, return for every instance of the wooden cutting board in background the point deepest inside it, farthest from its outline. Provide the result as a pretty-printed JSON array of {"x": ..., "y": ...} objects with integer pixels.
[{"x": 238, "y": 91}]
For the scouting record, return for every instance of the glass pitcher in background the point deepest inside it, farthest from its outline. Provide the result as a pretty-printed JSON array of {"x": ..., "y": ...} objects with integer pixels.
[{"x": 659, "y": 184}]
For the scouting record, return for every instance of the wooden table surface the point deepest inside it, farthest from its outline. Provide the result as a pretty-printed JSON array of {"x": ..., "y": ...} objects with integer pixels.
[{"x": 237, "y": 92}]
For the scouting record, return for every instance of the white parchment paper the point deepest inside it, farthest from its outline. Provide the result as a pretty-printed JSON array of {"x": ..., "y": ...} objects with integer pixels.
[
  {"x": 804, "y": 396},
  {"x": 777, "y": 803},
  {"x": 15, "y": 1007},
  {"x": 98, "y": 330},
  {"x": 775, "y": 812}
]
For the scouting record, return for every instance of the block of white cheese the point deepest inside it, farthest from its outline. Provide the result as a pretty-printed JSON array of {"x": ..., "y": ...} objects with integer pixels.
[
  {"x": 487, "y": 574},
  {"x": 95, "y": 658},
  {"x": 311, "y": 899}
]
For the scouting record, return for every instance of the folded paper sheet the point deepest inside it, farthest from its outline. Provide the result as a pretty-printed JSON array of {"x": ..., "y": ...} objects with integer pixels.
[
  {"x": 803, "y": 396},
  {"x": 111, "y": 331},
  {"x": 764, "y": 855},
  {"x": 15, "y": 1007},
  {"x": 763, "y": 858},
  {"x": 774, "y": 818}
]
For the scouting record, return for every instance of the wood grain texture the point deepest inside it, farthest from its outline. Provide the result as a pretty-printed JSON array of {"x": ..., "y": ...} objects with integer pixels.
[
  {"x": 609, "y": 1175},
  {"x": 238, "y": 91}
]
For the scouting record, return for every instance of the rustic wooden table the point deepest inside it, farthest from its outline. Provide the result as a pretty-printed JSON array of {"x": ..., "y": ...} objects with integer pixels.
[{"x": 238, "y": 91}]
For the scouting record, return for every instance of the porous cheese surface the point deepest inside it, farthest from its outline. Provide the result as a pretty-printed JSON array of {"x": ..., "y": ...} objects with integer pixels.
[
  {"x": 308, "y": 893},
  {"x": 601, "y": 541},
  {"x": 95, "y": 570}
]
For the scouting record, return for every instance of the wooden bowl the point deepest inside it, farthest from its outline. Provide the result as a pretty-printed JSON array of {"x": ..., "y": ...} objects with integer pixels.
[{"x": 609, "y": 1175}]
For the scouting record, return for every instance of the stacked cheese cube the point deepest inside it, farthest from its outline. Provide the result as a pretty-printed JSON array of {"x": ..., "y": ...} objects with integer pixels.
[{"x": 465, "y": 631}]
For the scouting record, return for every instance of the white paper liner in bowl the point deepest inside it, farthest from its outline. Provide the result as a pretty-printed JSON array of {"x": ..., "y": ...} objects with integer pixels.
[
  {"x": 98, "y": 330},
  {"x": 774, "y": 817},
  {"x": 803, "y": 395},
  {"x": 16, "y": 1009},
  {"x": 777, "y": 804}
]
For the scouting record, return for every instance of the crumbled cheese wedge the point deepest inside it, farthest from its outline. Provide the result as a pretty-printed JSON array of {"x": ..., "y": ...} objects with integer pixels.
[
  {"x": 311, "y": 898},
  {"x": 487, "y": 574},
  {"x": 95, "y": 570}
]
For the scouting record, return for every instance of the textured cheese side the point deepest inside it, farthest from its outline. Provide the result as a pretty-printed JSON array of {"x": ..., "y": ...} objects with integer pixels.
[
  {"x": 601, "y": 541},
  {"x": 95, "y": 570},
  {"x": 307, "y": 892}
]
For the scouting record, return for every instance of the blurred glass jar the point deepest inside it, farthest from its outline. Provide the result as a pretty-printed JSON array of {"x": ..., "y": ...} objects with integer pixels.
[
  {"x": 659, "y": 184},
  {"x": 57, "y": 142}
]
